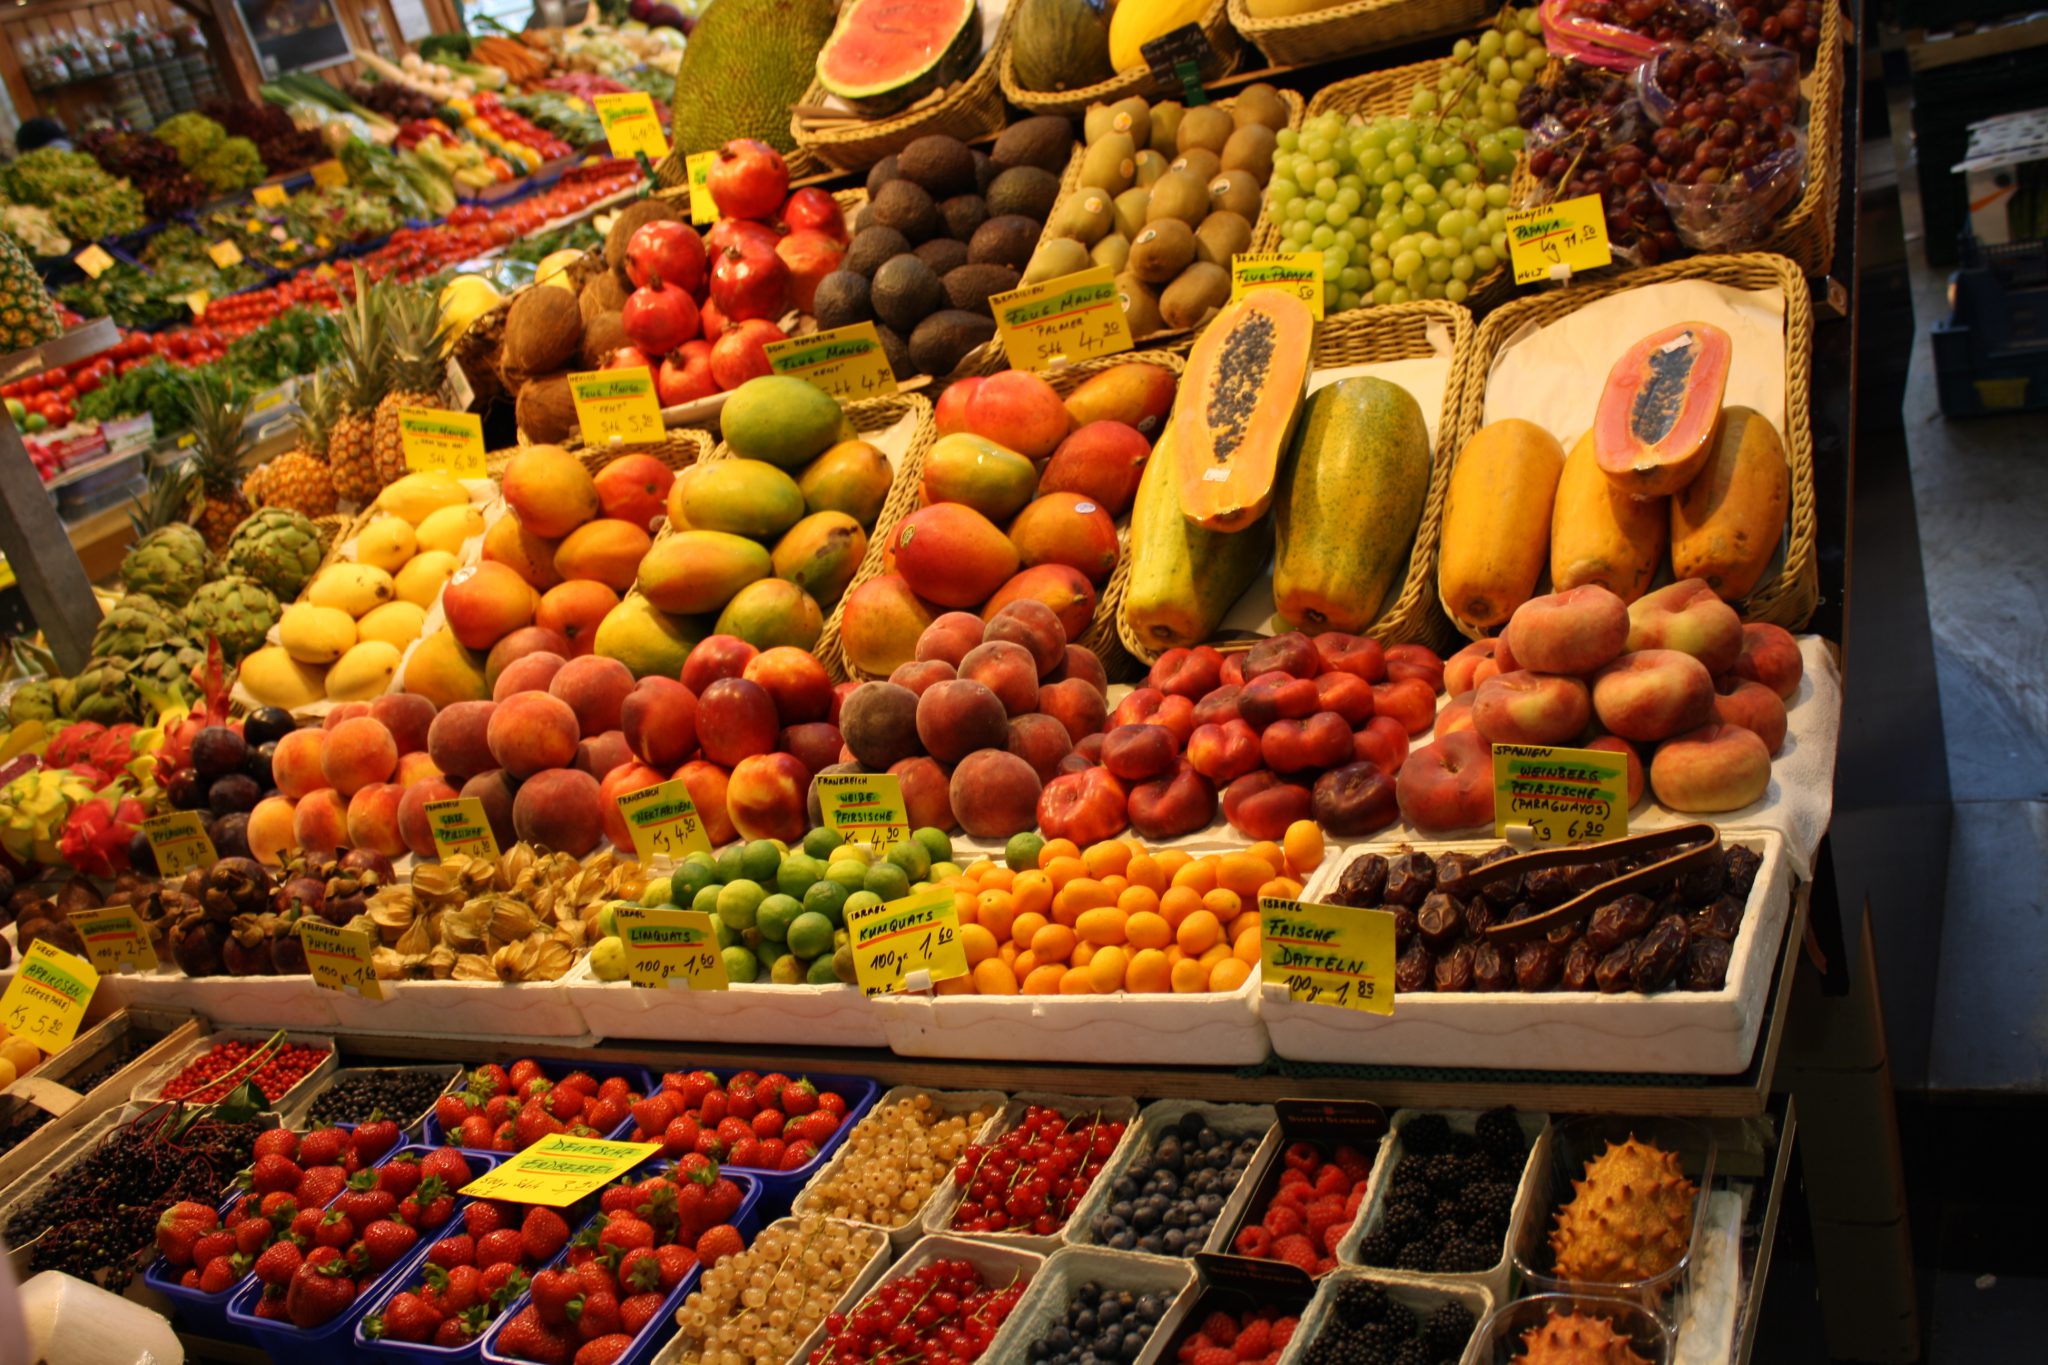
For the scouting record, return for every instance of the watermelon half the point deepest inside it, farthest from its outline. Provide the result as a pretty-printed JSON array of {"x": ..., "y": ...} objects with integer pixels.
[{"x": 886, "y": 54}]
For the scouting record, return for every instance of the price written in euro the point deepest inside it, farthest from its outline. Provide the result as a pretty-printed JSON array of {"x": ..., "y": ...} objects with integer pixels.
[
  {"x": 180, "y": 843},
  {"x": 340, "y": 959},
  {"x": 459, "y": 825},
  {"x": 846, "y": 362},
  {"x": 667, "y": 948},
  {"x": 617, "y": 406},
  {"x": 864, "y": 808},
  {"x": 46, "y": 1001},
  {"x": 1299, "y": 273},
  {"x": 559, "y": 1170},
  {"x": 1568, "y": 235},
  {"x": 115, "y": 939},
  {"x": 919, "y": 933},
  {"x": 437, "y": 441},
  {"x": 1074, "y": 317},
  {"x": 1329, "y": 954},
  {"x": 1562, "y": 796},
  {"x": 664, "y": 822}
]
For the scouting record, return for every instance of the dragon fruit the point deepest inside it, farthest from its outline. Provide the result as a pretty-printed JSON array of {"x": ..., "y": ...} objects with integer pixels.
[
  {"x": 96, "y": 833},
  {"x": 174, "y": 754},
  {"x": 74, "y": 744},
  {"x": 33, "y": 809},
  {"x": 98, "y": 753}
]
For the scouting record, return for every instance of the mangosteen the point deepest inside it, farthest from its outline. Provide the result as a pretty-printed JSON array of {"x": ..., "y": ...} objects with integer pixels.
[
  {"x": 368, "y": 860},
  {"x": 287, "y": 950},
  {"x": 268, "y": 725},
  {"x": 142, "y": 853},
  {"x": 301, "y": 895},
  {"x": 348, "y": 895},
  {"x": 236, "y": 885},
  {"x": 217, "y": 751},
  {"x": 185, "y": 790},
  {"x": 196, "y": 946},
  {"x": 257, "y": 765},
  {"x": 247, "y": 949},
  {"x": 230, "y": 834},
  {"x": 235, "y": 792}
]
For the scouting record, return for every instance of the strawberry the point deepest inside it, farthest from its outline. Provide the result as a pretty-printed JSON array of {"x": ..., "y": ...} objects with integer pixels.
[
  {"x": 387, "y": 1240},
  {"x": 451, "y": 1110},
  {"x": 189, "y": 1280},
  {"x": 501, "y": 1284},
  {"x": 272, "y": 1305},
  {"x": 252, "y": 1235},
  {"x": 745, "y": 1152},
  {"x": 655, "y": 1113},
  {"x": 488, "y": 1079},
  {"x": 278, "y": 1261},
  {"x": 220, "y": 1274},
  {"x": 552, "y": 1292},
  {"x": 595, "y": 1314},
  {"x": 768, "y": 1123},
  {"x": 524, "y": 1071},
  {"x": 679, "y": 1136},
  {"x": 718, "y": 1243},
  {"x": 527, "y": 1337},
  {"x": 459, "y": 1329},
  {"x": 731, "y": 1130},
  {"x": 429, "y": 1206},
  {"x": 475, "y": 1133},
  {"x": 533, "y": 1124},
  {"x": 320, "y": 1289},
  {"x": 741, "y": 1102},
  {"x": 485, "y": 1215},
  {"x": 453, "y": 1251},
  {"x": 798, "y": 1098},
  {"x": 714, "y": 1107},
  {"x": 334, "y": 1230},
  {"x": 542, "y": 1234},
  {"x": 448, "y": 1165},
  {"x": 407, "y": 1317},
  {"x": 566, "y": 1104},
  {"x": 695, "y": 1166},
  {"x": 675, "y": 1262},
  {"x": 323, "y": 1147},
  {"x": 833, "y": 1103},
  {"x": 799, "y": 1155},
  {"x": 302, "y": 1225},
  {"x": 605, "y": 1115},
  {"x": 722, "y": 1201},
  {"x": 400, "y": 1175},
  {"x": 637, "y": 1310},
  {"x": 623, "y": 1231},
  {"x": 604, "y": 1350},
  {"x": 595, "y": 1276},
  {"x": 273, "y": 1172},
  {"x": 581, "y": 1081},
  {"x": 280, "y": 1207},
  {"x": 318, "y": 1186},
  {"x": 363, "y": 1201},
  {"x": 501, "y": 1245},
  {"x": 500, "y": 1108},
  {"x": 708, "y": 1145},
  {"x": 640, "y": 1270},
  {"x": 769, "y": 1089},
  {"x": 248, "y": 1206},
  {"x": 219, "y": 1242},
  {"x": 275, "y": 1142}
]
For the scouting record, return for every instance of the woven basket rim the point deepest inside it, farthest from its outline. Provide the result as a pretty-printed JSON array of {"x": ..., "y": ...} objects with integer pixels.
[
  {"x": 982, "y": 84},
  {"x": 1216, "y": 27}
]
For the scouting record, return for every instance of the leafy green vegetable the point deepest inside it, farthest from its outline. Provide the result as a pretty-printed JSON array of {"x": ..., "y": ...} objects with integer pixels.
[
  {"x": 85, "y": 201},
  {"x": 191, "y": 136},
  {"x": 233, "y": 165}
]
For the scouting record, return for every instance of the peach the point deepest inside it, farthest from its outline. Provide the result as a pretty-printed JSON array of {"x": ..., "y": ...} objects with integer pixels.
[
  {"x": 595, "y": 688},
  {"x": 486, "y": 602},
  {"x": 919, "y": 674},
  {"x": 815, "y": 743},
  {"x": 1191, "y": 673},
  {"x": 1064, "y": 592},
  {"x": 320, "y": 823},
  {"x": 708, "y": 784},
  {"x": 1349, "y": 695},
  {"x": 1218, "y": 705},
  {"x": 559, "y": 810},
  {"x": 1456, "y": 715},
  {"x": 358, "y": 752},
  {"x": 1416, "y": 661},
  {"x": 1712, "y": 769},
  {"x": 574, "y": 610},
  {"x": 1531, "y": 708},
  {"x": 1224, "y": 752},
  {"x": 949, "y": 637},
  {"x": 532, "y": 732},
  {"x": 927, "y": 798},
  {"x": 765, "y": 797},
  {"x": 1262, "y": 805},
  {"x": 1084, "y": 664},
  {"x": 1575, "y": 631},
  {"x": 736, "y": 719},
  {"x": 373, "y": 818},
  {"x": 1146, "y": 706},
  {"x": 495, "y": 791},
  {"x": 1688, "y": 616},
  {"x": 459, "y": 739},
  {"x": 956, "y": 718},
  {"x": 621, "y": 781},
  {"x": 715, "y": 657},
  {"x": 634, "y": 488},
  {"x": 1233, "y": 671},
  {"x": 1292, "y": 746},
  {"x": 530, "y": 673},
  {"x": 1139, "y": 753},
  {"x": 1086, "y": 807},
  {"x": 1168, "y": 807},
  {"x": 1354, "y": 800},
  {"x": 1382, "y": 740},
  {"x": 1033, "y": 626},
  {"x": 1754, "y": 707},
  {"x": 412, "y": 815},
  {"x": 521, "y": 643},
  {"x": 1270, "y": 697},
  {"x": 1652, "y": 694},
  {"x": 1359, "y": 655},
  {"x": 406, "y": 715},
  {"x": 1040, "y": 741},
  {"x": 1291, "y": 652},
  {"x": 296, "y": 766},
  {"x": 418, "y": 766},
  {"x": 994, "y": 794},
  {"x": 1006, "y": 669},
  {"x": 1074, "y": 763},
  {"x": 1410, "y": 701},
  {"x": 531, "y": 556},
  {"x": 1503, "y": 658},
  {"x": 1615, "y": 744},
  {"x": 1019, "y": 410},
  {"x": 270, "y": 830},
  {"x": 1448, "y": 785},
  {"x": 879, "y": 721},
  {"x": 598, "y": 754},
  {"x": 1770, "y": 655},
  {"x": 659, "y": 717},
  {"x": 1076, "y": 705},
  {"x": 1460, "y": 667}
]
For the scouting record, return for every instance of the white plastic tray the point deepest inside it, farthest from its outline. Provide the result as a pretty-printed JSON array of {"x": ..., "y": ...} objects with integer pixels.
[
  {"x": 250, "y": 1001},
  {"x": 938, "y": 1212},
  {"x": 834, "y": 1016},
  {"x": 1044, "y": 1304},
  {"x": 1420, "y": 1297},
  {"x": 464, "y": 1009},
  {"x": 904, "y": 1233}
]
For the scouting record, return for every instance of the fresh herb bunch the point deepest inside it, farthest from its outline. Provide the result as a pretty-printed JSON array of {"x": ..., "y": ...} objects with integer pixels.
[
  {"x": 129, "y": 295},
  {"x": 283, "y": 145}
]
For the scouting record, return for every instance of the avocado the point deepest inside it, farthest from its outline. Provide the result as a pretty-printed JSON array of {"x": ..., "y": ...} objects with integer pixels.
[
  {"x": 870, "y": 247},
  {"x": 962, "y": 214},
  {"x": 1008, "y": 240},
  {"x": 906, "y": 207},
  {"x": 1024, "y": 189},
  {"x": 968, "y": 287},
  {"x": 898, "y": 351},
  {"x": 942, "y": 254},
  {"x": 881, "y": 173},
  {"x": 944, "y": 339},
  {"x": 1044, "y": 142},
  {"x": 939, "y": 165},
  {"x": 906, "y": 292},
  {"x": 842, "y": 300}
]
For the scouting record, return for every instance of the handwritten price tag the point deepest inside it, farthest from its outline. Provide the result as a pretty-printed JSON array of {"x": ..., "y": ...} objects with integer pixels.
[
  {"x": 437, "y": 441},
  {"x": 270, "y": 196},
  {"x": 1329, "y": 954},
  {"x": 617, "y": 406},
  {"x": 115, "y": 939},
  {"x": 631, "y": 125},
  {"x": 664, "y": 822},
  {"x": 1299, "y": 273},
  {"x": 893, "y": 940},
  {"x": 94, "y": 261},
  {"x": 45, "y": 1003},
  {"x": 180, "y": 843},
  {"x": 846, "y": 362},
  {"x": 559, "y": 1170},
  {"x": 225, "y": 254},
  {"x": 697, "y": 165},
  {"x": 197, "y": 301},
  {"x": 667, "y": 948},
  {"x": 459, "y": 825},
  {"x": 329, "y": 175},
  {"x": 339, "y": 959},
  {"x": 1563, "y": 796},
  {"x": 1074, "y": 317},
  {"x": 1558, "y": 239},
  {"x": 865, "y": 808}
]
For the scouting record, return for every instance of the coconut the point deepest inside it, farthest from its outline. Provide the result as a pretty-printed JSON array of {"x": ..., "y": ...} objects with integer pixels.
[
  {"x": 604, "y": 292},
  {"x": 546, "y": 411},
  {"x": 602, "y": 335},
  {"x": 542, "y": 331},
  {"x": 629, "y": 221}
]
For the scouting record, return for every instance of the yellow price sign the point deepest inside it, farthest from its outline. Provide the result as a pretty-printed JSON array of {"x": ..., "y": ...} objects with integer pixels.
[
  {"x": 94, "y": 260},
  {"x": 899, "y": 939},
  {"x": 1074, "y": 317},
  {"x": 664, "y": 822},
  {"x": 339, "y": 959},
  {"x": 45, "y": 1003},
  {"x": 115, "y": 939},
  {"x": 1328, "y": 954},
  {"x": 459, "y": 825},
  {"x": 197, "y": 301},
  {"x": 617, "y": 406},
  {"x": 666, "y": 948},
  {"x": 1299, "y": 273},
  {"x": 559, "y": 1170},
  {"x": 864, "y": 808},
  {"x": 846, "y": 362},
  {"x": 1562, "y": 796},
  {"x": 1556, "y": 239},
  {"x": 437, "y": 441},
  {"x": 631, "y": 125},
  {"x": 180, "y": 843},
  {"x": 270, "y": 196},
  {"x": 226, "y": 254},
  {"x": 698, "y": 166},
  {"x": 329, "y": 175}
]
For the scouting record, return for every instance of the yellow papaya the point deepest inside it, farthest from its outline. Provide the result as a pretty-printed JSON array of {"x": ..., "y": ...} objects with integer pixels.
[
  {"x": 1726, "y": 525},
  {"x": 1184, "y": 580},
  {"x": 1599, "y": 534},
  {"x": 1497, "y": 522}
]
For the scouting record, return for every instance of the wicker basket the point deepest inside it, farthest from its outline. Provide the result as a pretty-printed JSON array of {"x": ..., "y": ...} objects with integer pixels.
[
  {"x": 1806, "y": 234},
  {"x": 1787, "y": 599},
  {"x": 1398, "y": 331},
  {"x": 680, "y": 448},
  {"x": 1215, "y": 26},
  {"x": 1344, "y": 30},
  {"x": 971, "y": 107}
]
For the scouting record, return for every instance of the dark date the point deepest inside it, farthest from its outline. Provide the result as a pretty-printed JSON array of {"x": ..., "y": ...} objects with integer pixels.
[{"x": 1410, "y": 878}]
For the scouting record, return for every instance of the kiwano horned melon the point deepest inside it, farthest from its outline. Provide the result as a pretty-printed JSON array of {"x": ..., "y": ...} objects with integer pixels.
[
  {"x": 1630, "y": 1219},
  {"x": 886, "y": 54},
  {"x": 1237, "y": 406},
  {"x": 1576, "y": 1339},
  {"x": 1655, "y": 423}
]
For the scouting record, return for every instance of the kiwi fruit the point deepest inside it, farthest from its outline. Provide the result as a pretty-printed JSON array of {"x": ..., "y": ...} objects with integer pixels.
[
  {"x": 1109, "y": 164},
  {"x": 1194, "y": 294},
  {"x": 1087, "y": 216},
  {"x": 1206, "y": 126},
  {"x": 1130, "y": 210},
  {"x": 1113, "y": 251},
  {"x": 1259, "y": 103},
  {"x": 1222, "y": 235},
  {"x": 1132, "y": 116},
  {"x": 1162, "y": 251},
  {"x": 1095, "y": 122},
  {"x": 1166, "y": 117},
  {"x": 1150, "y": 166},
  {"x": 1251, "y": 149},
  {"x": 1056, "y": 256},
  {"x": 1141, "y": 304},
  {"x": 1203, "y": 164},
  {"x": 1235, "y": 192},
  {"x": 1178, "y": 195}
]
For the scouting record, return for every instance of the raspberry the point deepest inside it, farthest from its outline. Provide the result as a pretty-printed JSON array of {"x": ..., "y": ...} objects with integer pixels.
[
  {"x": 1354, "y": 1163},
  {"x": 1302, "y": 1156},
  {"x": 1296, "y": 1196},
  {"x": 1254, "y": 1341},
  {"x": 1297, "y": 1252},
  {"x": 1283, "y": 1220},
  {"x": 1322, "y": 1215},
  {"x": 1215, "y": 1355},
  {"x": 1324, "y": 1266},
  {"x": 1291, "y": 1176},
  {"x": 1198, "y": 1342},
  {"x": 1332, "y": 1180},
  {"x": 1333, "y": 1235},
  {"x": 1283, "y": 1332},
  {"x": 1220, "y": 1328},
  {"x": 1253, "y": 1241}
]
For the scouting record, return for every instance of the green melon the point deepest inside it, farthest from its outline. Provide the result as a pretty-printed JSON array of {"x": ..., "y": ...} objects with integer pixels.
[{"x": 1059, "y": 45}]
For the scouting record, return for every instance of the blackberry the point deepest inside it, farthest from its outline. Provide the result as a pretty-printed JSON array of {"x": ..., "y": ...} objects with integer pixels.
[
  {"x": 1486, "y": 1201},
  {"x": 1448, "y": 1329},
  {"x": 1500, "y": 1137},
  {"x": 1401, "y": 1318},
  {"x": 1413, "y": 1352},
  {"x": 1427, "y": 1135},
  {"x": 1359, "y": 1303},
  {"x": 1419, "y": 1256},
  {"x": 1378, "y": 1248},
  {"x": 1462, "y": 1144},
  {"x": 1406, "y": 1222},
  {"x": 1444, "y": 1173}
]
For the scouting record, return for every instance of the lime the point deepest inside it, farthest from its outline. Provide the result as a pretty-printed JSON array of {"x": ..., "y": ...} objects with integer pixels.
[
  {"x": 820, "y": 842},
  {"x": 774, "y": 917},
  {"x": 860, "y": 853},
  {"x": 842, "y": 964},
  {"x": 847, "y": 873},
  {"x": 1021, "y": 853},
  {"x": 700, "y": 858},
  {"x": 910, "y": 855},
  {"x": 16, "y": 409},
  {"x": 730, "y": 864},
  {"x": 761, "y": 860},
  {"x": 657, "y": 891},
  {"x": 887, "y": 881},
  {"x": 767, "y": 953},
  {"x": 723, "y": 932},
  {"x": 810, "y": 934},
  {"x": 740, "y": 964},
  {"x": 787, "y": 971},
  {"x": 738, "y": 903},
  {"x": 608, "y": 918},
  {"x": 937, "y": 844},
  {"x": 824, "y": 972},
  {"x": 690, "y": 878},
  {"x": 706, "y": 899},
  {"x": 859, "y": 901},
  {"x": 941, "y": 871},
  {"x": 34, "y": 422},
  {"x": 826, "y": 898},
  {"x": 797, "y": 873}
]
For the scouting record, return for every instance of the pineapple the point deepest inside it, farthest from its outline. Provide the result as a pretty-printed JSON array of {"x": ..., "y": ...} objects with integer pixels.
[
  {"x": 299, "y": 479},
  {"x": 221, "y": 444},
  {"x": 28, "y": 316},
  {"x": 364, "y": 371},
  {"x": 417, "y": 373}
]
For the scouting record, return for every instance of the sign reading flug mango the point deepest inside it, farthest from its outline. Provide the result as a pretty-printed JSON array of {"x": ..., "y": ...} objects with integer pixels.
[{"x": 437, "y": 441}]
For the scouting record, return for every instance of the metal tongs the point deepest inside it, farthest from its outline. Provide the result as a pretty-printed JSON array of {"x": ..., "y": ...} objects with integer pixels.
[{"x": 1696, "y": 844}]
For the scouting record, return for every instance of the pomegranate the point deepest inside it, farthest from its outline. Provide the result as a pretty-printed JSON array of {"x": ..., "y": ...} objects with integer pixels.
[
  {"x": 666, "y": 253},
  {"x": 658, "y": 318},
  {"x": 710, "y": 320},
  {"x": 732, "y": 231},
  {"x": 748, "y": 280},
  {"x": 816, "y": 210},
  {"x": 626, "y": 358},
  {"x": 748, "y": 180},
  {"x": 811, "y": 255},
  {"x": 686, "y": 376},
  {"x": 741, "y": 353}
]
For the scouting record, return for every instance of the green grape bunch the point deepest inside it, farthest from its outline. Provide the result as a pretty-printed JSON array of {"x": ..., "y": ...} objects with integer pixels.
[{"x": 1413, "y": 206}]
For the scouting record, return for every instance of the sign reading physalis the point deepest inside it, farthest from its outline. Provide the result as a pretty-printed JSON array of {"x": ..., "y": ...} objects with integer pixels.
[{"x": 340, "y": 959}]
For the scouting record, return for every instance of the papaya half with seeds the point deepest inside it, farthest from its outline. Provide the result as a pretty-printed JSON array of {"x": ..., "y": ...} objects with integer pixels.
[
  {"x": 1655, "y": 423},
  {"x": 1237, "y": 407}
]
